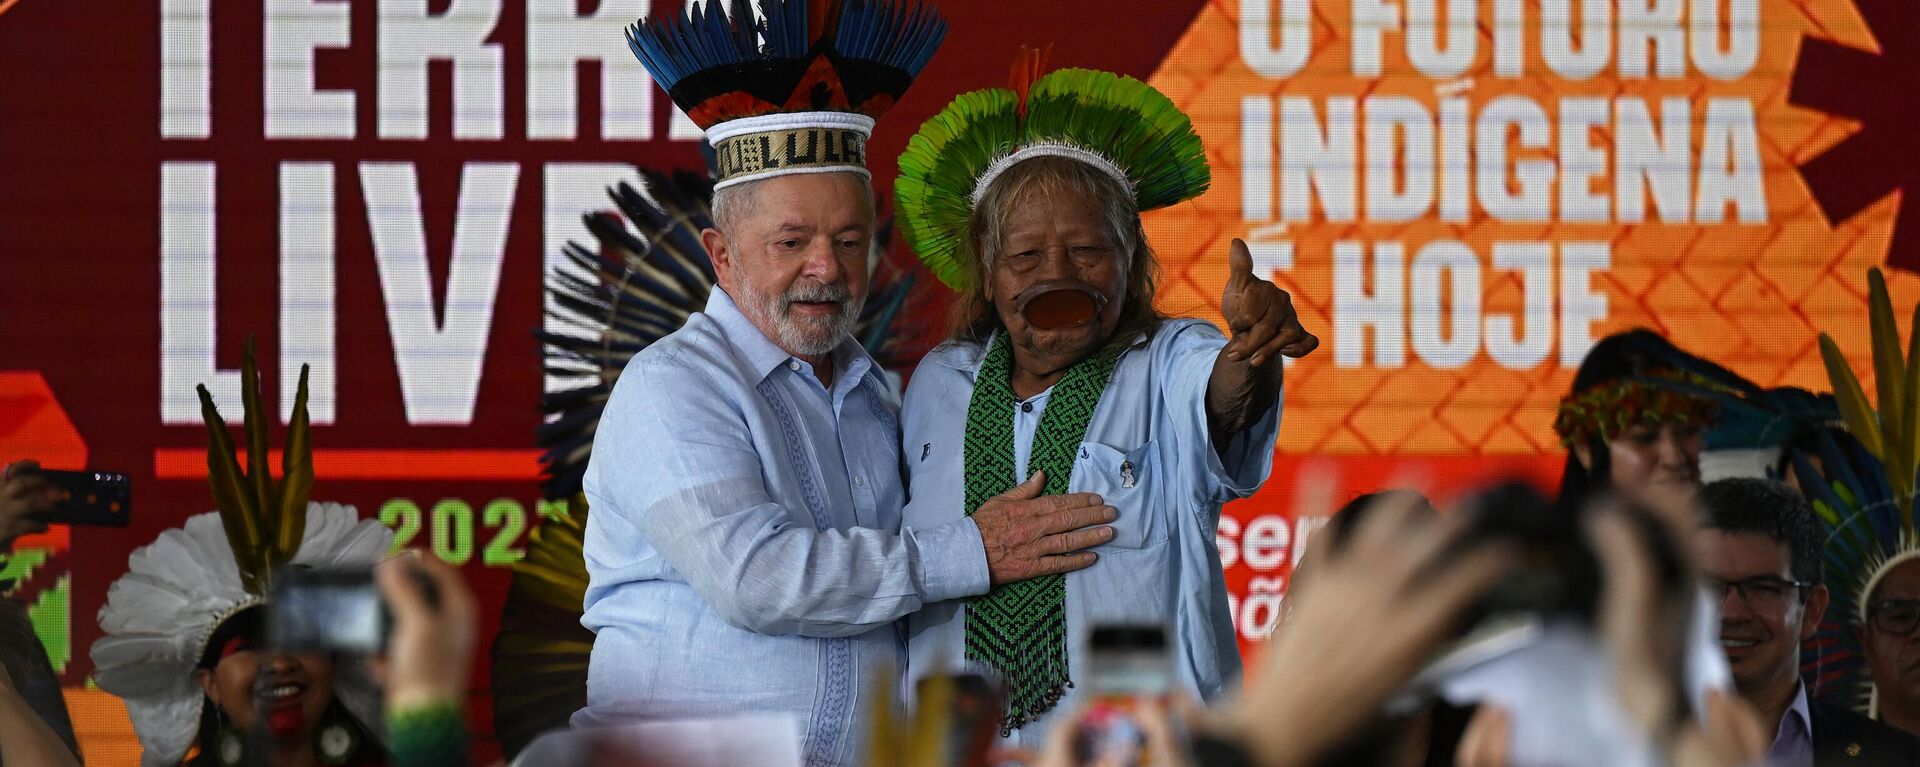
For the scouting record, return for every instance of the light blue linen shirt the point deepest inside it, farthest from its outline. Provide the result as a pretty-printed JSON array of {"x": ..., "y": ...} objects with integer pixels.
[
  {"x": 1163, "y": 566},
  {"x": 1793, "y": 739},
  {"x": 744, "y": 548}
]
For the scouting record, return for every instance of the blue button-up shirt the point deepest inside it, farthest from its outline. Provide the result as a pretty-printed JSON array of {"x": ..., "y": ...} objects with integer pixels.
[
  {"x": 1149, "y": 452},
  {"x": 1793, "y": 739},
  {"x": 744, "y": 548}
]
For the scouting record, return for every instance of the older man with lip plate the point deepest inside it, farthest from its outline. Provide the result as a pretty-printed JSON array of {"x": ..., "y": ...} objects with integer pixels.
[{"x": 1060, "y": 370}]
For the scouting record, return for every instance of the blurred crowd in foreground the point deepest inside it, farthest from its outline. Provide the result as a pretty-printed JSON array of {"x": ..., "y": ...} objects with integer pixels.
[{"x": 1640, "y": 617}]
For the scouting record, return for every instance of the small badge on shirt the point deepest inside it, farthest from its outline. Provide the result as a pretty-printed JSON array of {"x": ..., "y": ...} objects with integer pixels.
[
  {"x": 925, "y": 448},
  {"x": 1126, "y": 474}
]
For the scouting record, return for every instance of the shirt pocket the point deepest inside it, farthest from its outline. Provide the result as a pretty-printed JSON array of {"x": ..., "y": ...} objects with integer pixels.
[{"x": 1124, "y": 480}]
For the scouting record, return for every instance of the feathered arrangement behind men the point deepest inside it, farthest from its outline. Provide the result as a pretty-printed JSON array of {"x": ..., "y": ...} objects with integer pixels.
[{"x": 1856, "y": 459}]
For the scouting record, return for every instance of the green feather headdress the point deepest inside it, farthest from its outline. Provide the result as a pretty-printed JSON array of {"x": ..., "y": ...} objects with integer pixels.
[{"x": 1118, "y": 124}]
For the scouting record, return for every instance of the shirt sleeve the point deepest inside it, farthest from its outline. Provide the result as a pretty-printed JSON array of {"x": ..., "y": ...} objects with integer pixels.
[
  {"x": 686, "y": 481},
  {"x": 955, "y": 554},
  {"x": 1184, "y": 355}
]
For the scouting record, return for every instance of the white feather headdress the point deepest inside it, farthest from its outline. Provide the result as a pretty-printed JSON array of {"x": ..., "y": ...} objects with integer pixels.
[{"x": 178, "y": 589}]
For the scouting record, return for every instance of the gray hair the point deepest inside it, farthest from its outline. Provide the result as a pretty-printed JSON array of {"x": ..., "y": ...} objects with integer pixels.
[
  {"x": 734, "y": 203},
  {"x": 1067, "y": 178},
  {"x": 974, "y": 317}
]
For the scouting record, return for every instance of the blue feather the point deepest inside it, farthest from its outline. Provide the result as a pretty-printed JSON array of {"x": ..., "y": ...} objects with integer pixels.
[
  {"x": 785, "y": 27},
  {"x": 900, "y": 35},
  {"x": 672, "y": 46}
]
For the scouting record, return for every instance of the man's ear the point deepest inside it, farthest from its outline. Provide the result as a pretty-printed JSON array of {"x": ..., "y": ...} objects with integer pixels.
[
  {"x": 720, "y": 251},
  {"x": 205, "y": 678},
  {"x": 1583, "y": 453},
  {"x": 716, "y": 244},
  {"x": 1816, "y": 610}
]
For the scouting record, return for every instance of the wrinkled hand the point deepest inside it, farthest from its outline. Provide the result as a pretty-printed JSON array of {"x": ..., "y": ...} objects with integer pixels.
[
  {"x": 1028, "y": 535},
  {"x": 26, "y": 502},
  {"x": 1373, "y": 612},
  {"x": 431, "y": 649},
  {"x": 1260, "y": 315}
]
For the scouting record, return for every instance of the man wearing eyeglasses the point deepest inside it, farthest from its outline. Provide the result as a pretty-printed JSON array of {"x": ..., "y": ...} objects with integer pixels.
[
  {"x": 1760, "y": 554},
  {"x": 1891, "y": 640}
]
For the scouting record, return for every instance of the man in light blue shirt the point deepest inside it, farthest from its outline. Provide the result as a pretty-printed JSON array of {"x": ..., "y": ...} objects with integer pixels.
[
  {"x": 1173, "y": 421},
  {"x": 745, "y": 550}
]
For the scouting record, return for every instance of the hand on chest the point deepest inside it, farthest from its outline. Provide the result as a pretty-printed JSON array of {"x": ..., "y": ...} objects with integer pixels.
[{"x": 1127, "y": 479}]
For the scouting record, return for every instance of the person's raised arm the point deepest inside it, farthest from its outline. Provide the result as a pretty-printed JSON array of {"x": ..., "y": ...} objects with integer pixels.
[
  {"x": 429, "y": 653},
  {"x": 1247, "y": 375},
  {"x": 1376, "y": 608},
  {"x": 27, "y": 741}
]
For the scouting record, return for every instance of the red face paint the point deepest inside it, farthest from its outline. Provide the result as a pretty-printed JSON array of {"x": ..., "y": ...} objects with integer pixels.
[{"x": 287, "y": 720}]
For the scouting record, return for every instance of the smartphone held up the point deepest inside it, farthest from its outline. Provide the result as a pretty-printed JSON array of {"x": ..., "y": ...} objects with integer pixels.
[
  {"x": 1129, "y": 669},
  {"x": 91, "y": 498}
]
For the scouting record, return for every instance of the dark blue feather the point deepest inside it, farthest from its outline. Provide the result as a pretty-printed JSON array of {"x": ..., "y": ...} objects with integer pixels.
[{"x": 786, "y": 27}]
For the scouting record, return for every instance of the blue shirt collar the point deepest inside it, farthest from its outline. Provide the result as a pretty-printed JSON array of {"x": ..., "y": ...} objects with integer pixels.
[
  {"x": 851, "y": 363},
  {"x": 1799, "y": 712},
  {"x": 1793, "y": 737}
]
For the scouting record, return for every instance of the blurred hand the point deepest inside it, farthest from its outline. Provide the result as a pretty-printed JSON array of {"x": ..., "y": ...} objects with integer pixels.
[
  {"x": 1373, "y": 613},
  {"x": 431, "y": 650},
  {"x": 27, "y": 500},
  {"x": 1155, "y": 717},
  {"x": 1731, "y": 735},
  {"x": 1484, "y": 744},
  {"x": 1643, "y": 627},
  {"x": 1029, "y": 535}
]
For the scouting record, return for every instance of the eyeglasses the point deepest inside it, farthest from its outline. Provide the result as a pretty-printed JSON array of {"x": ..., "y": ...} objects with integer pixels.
[
  {"x": 1895, "y": 616},
  {"x": 1765, "y": 592}
]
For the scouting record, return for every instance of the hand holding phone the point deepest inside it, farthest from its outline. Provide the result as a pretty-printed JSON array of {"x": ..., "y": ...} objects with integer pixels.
[
  {"x": 435, "y": 631},
  {"x": 1130, "y": 676},
  {"x": 91, "y": 498}
]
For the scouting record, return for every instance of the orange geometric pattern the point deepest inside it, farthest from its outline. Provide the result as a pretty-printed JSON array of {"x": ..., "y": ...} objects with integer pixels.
[
  {"x": 1752, "y": 297},
  {"x": 33, "y": 425}
]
